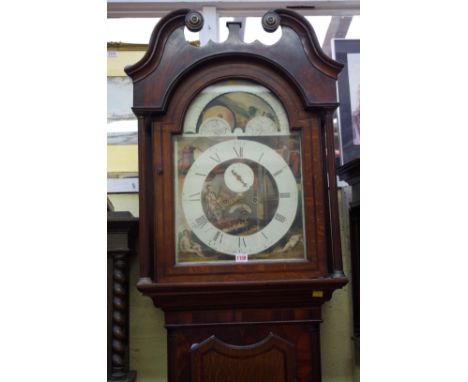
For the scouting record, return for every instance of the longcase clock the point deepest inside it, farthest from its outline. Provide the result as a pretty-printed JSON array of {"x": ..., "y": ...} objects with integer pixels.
[{"x": 239, "y": 232}]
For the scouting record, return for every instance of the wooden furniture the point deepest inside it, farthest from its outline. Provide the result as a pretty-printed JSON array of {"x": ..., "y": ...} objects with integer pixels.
[
  {"x": 237, "y": 320},
  {"x": 121, "y": 234}
]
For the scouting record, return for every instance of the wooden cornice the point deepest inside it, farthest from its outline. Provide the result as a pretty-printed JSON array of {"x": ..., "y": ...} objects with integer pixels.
[{"x": 297, "y": 45}]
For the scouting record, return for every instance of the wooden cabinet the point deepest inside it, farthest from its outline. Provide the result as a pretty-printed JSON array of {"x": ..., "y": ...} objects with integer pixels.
[{"x": 249, "y": 307}]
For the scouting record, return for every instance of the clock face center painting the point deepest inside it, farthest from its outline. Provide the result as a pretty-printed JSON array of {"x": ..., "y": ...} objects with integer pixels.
[
  {"x": 238, "y": 179},
  {"x": 239, "y": 198}
]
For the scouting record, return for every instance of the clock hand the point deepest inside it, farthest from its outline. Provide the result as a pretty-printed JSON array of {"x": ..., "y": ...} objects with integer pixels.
[{"x": 239, "y": 178}]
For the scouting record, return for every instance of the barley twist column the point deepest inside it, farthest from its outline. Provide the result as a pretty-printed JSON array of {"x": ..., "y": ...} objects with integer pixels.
[{"x": 121, "y": 229}]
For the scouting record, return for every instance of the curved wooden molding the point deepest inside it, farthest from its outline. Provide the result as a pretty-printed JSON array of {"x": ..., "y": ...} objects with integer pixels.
[
  {"x": 272, "y": 359},
  {"x": 165, "y": 27},
  {"x": 313, "y": 50},
  {"x": 170, "y": 58}
]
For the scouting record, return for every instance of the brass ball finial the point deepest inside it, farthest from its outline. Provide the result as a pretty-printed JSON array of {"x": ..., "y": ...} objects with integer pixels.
[
  {"x": 194, "y": 21},
  {"x": 271, "y": 21}
]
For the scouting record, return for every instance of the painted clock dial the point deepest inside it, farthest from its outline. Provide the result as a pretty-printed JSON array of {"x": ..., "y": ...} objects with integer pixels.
[
  {"x": 235, "y": 222},
  {"x": 238, "y": 179}
]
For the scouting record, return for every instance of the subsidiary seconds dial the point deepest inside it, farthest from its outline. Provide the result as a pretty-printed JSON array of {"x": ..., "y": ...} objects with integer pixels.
[
  {"x": 239, "y": 177},
  {"x": 233, "y": 160}
]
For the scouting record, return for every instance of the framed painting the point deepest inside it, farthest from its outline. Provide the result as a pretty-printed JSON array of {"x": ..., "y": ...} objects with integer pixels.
[{"x": 348, "y": 52}]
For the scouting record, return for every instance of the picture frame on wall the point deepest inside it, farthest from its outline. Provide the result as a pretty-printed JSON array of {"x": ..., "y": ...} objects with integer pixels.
[{"x": 348, "y": 88}]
